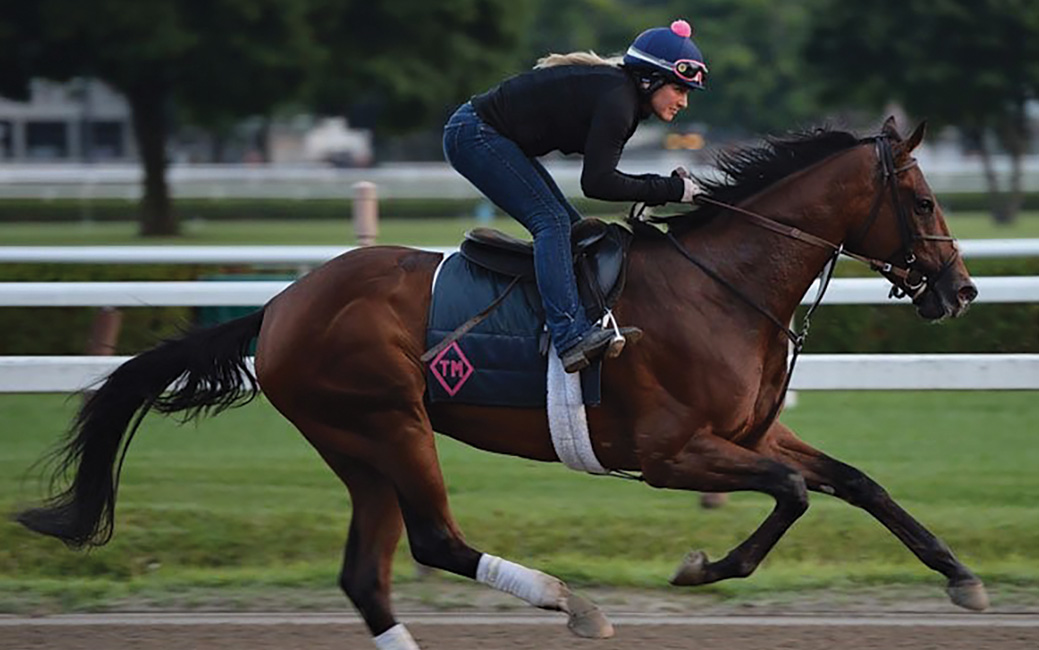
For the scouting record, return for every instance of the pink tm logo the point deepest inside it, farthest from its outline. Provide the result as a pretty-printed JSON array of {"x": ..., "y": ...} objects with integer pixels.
[{"x": 451, "y": 368}]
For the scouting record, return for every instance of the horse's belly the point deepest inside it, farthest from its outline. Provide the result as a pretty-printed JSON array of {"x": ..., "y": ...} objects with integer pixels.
[{"x": 515, "y": 432}]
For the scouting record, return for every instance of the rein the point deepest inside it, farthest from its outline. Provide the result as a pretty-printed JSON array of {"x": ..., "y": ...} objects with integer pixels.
[
  {"x": 797, "y": 339},
  {"x": 913, "y": 281}
]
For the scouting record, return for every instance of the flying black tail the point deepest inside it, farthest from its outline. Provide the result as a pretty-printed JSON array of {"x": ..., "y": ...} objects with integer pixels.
[{"x": 205, "y": 371}]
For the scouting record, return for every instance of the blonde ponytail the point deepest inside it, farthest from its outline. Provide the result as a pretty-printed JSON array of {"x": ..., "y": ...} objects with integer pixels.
[{"x": 576, "y": 58}]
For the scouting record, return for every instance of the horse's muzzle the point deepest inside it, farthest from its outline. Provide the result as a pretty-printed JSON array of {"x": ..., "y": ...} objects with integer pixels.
[{"x": 951, "y": 295}]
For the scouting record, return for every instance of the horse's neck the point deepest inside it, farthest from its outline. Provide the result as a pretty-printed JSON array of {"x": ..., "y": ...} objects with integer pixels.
[{"x": 775, "y": 270}]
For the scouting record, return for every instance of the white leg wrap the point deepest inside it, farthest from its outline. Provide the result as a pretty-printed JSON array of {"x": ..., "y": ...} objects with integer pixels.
[
  {"x": 396, "y": 638},
  {"x": 537, "y": 588}
]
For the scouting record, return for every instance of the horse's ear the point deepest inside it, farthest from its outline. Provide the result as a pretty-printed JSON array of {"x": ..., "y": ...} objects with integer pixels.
[
  {"x": 891, "y": 130},
  {"x": 914, "y": 140}
]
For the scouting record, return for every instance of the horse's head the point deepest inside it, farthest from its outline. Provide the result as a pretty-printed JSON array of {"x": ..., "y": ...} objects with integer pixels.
[{"x": 905, "y": 229}]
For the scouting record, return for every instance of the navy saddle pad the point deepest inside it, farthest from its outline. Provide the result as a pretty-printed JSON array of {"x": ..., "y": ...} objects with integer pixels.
[{"x": 499, "y": 362}]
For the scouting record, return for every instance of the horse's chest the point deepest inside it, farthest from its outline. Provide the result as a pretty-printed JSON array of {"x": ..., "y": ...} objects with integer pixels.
[{"x": 724, "y": 393}]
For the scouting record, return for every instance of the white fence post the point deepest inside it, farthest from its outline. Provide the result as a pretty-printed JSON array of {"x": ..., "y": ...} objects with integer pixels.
[
  {"x": 366, "y": 213},
  {"x": 104, "y": 332}
]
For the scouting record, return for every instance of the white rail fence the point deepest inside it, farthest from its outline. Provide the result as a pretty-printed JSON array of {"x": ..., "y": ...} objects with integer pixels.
[
  {"x": 814, "y": 372},
  {"x": 842, "y": 291},
  {"x": 312, "y": 255}
]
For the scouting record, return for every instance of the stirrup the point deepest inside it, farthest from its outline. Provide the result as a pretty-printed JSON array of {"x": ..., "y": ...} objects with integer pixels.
[
  {"x": 616, "y": 345},
  {"x": 597, "y": 342}
]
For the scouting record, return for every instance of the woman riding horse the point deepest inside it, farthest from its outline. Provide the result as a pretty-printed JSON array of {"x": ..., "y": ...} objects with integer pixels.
[
  {"x": 692, "y": 408},
  {"x": 575, "y": 103}
]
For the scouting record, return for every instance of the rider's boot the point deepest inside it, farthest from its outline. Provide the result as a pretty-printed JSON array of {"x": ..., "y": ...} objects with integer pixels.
[{"x": 597, "y": 342}]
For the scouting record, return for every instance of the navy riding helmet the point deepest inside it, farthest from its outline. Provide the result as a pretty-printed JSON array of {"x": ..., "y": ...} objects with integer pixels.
[{"x": 666, "y": 55}]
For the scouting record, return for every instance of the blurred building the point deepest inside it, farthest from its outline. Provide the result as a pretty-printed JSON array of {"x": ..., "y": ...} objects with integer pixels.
[
  {"x": 323, "y": 140},
  {"x": 82, "y": 120},
  {"x": 85, "y": 120}
]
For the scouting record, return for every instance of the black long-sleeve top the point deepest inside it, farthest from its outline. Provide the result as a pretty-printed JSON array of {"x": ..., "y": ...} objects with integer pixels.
[{"x": 585, "y": 109}]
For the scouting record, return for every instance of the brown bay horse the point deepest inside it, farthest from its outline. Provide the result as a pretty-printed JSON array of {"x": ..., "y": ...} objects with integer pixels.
[{"x": 338, "y": 354}]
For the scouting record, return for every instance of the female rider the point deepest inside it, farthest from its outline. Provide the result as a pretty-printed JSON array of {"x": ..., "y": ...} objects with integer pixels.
[{"x": 574, "y": 103}]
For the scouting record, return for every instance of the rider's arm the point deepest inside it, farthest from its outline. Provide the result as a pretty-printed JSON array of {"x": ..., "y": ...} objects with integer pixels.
[{"x": 612, "y": 124}]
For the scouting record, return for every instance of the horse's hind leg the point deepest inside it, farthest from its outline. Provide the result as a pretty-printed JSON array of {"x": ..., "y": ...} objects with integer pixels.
[
  {"x": 830, "y": 476},
  {"x": 375, "y": 529},
  {"x": 437, "y": 542}
]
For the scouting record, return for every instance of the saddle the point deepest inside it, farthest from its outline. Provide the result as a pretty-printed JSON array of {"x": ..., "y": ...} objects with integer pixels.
[
  {"x": 599, "y": 257},
  {"x": 498, "y": 356}
]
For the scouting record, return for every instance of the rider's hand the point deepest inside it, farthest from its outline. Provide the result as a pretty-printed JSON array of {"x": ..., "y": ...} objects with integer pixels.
[{"x": 692, "y": 188}]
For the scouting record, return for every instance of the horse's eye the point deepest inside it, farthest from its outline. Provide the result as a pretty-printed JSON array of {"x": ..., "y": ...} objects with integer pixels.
[{"x": 924, "y": 206}]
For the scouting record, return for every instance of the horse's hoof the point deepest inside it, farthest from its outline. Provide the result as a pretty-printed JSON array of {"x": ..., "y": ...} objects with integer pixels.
[
  {"x": 586, "y": 620},
  {"x": 692, "y": 571},
  {"x": 969, "y": 594}
]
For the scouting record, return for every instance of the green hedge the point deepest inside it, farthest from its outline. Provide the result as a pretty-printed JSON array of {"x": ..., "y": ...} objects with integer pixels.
[
  {"x": 64, "y": 209},
  {"x": 64, "y": 330},
  {"x": 838, "y": 328},
  {"x": 882, "y": 328},
  {"x": 21, "y": 210},
  {"x": 987, "y": 327},
  {"x": 60, "y": 210},
  {"x": 980, "y": 202}
]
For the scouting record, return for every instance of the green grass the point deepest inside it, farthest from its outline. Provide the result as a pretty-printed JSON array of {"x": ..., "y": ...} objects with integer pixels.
[
  {"x": 241, "y": 500},
  {"x": 429, "y": 232}
]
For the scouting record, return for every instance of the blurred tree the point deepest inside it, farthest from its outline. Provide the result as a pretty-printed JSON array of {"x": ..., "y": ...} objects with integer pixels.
[
  {"x": 968, "y": 63},
  {"x": 221, "y": 60},
  {"x": 232, "y": 57},
  {"x": 753, "y": 49},
  {"x": 757, "y": 81},
  {"x": 396, "y": 65},
  {"x": 605, "y": 26}
]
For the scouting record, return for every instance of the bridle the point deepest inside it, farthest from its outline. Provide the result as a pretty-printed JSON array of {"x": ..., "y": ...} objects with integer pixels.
[
  {"x": 914, "y": 281},
  {"x": 906, "y": 279}
]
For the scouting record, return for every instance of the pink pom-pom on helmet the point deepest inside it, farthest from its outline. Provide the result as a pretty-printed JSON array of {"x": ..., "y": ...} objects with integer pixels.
[{"x": 682, "y": 28}]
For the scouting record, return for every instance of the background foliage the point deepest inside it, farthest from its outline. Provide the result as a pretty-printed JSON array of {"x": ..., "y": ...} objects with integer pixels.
[
  {"x": 221, "y": 61},
  {"x": 400, "y": 65},
  {"x": 967, "y": 63}
]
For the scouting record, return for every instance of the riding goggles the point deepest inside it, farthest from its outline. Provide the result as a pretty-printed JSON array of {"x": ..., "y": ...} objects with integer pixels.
[{"x": 688, "y": 70}]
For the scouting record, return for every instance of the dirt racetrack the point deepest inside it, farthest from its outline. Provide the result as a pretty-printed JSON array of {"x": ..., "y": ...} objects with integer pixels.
[{"x": 527, "y": 632}]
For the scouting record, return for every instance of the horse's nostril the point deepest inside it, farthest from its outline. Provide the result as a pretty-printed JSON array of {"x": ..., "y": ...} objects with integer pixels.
[{"x": 968, "y": 292}]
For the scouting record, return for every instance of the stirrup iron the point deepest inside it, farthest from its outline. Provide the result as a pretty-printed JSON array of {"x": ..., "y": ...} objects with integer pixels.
[{"x": 617, "y": 343}]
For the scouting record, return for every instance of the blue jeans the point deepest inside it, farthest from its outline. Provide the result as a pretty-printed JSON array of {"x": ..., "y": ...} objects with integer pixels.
[{"x": 521, "y": 186}]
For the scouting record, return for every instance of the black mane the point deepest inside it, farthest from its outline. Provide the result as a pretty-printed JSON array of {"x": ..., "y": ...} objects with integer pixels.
[{"x": 748, "y": 170}]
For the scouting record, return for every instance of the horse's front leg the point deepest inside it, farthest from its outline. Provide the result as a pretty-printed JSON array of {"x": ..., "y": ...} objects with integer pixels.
[
  {"x": 825, "y": 474},
  {"x": 710, "y": 464}
]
